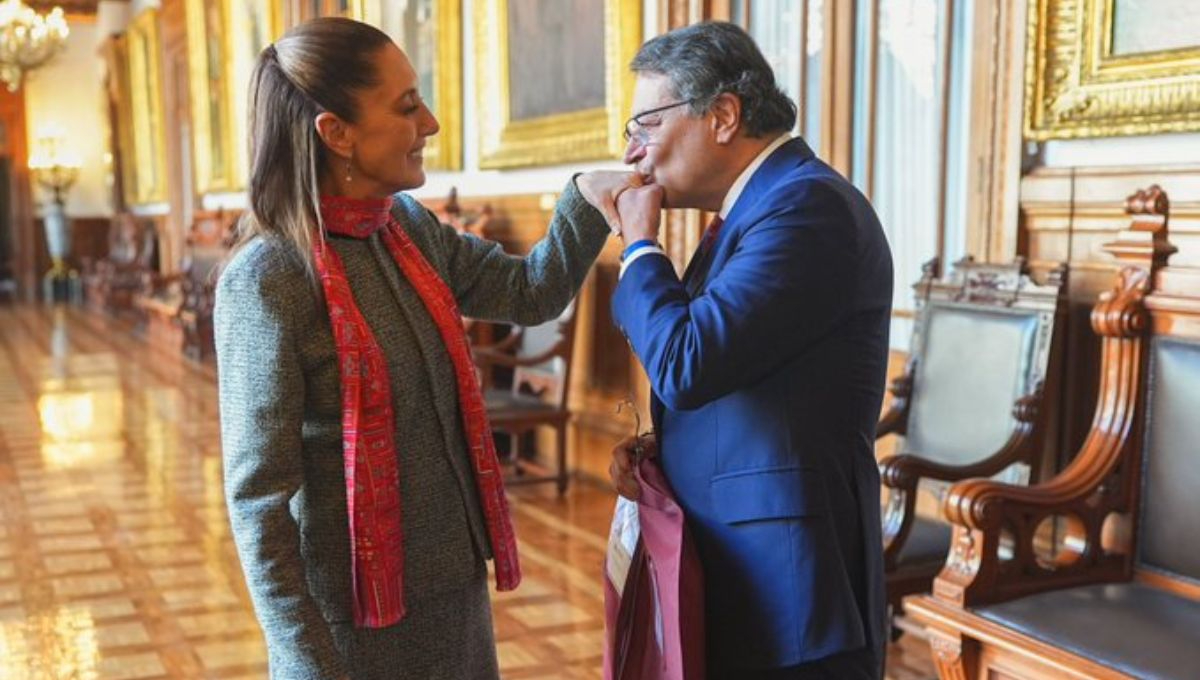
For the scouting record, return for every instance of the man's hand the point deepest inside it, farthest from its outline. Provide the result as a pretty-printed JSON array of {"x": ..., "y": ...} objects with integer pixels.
[
  {"x": 624, "y": 458},
  {"x": 601, "y": 188},
  {"x": 639, "y": 212}
]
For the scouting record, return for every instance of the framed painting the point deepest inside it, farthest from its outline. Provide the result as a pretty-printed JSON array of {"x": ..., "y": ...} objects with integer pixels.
[
  {"x": 253, "y": 24},
  {"x": 122, "y": 110},
  {"x": 550, "y": 87},
  {"x": 1100, "y": 68},
  {"x": 225, "y": 38},
  {"x": 429, "y": 32},
  {"x": 212, "y": 155},
  {"x": 146, "y": 112}
]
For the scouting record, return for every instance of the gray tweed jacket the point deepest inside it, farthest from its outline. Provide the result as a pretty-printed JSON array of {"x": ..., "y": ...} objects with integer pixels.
[{"x": 280, "y": 408}]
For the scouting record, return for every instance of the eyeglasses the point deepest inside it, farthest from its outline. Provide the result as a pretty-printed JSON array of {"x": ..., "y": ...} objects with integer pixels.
[{"x": 636, "y": 125}]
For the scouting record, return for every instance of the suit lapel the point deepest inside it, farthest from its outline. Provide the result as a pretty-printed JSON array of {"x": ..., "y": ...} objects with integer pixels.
[
  {"x": 696, "y": 272},
  {"x": 690, "y": 272},
  {"x": 780, "y": 162},
  {"x": 700, "y": 269}
]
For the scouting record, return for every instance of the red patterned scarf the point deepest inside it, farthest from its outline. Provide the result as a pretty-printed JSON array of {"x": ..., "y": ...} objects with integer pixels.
[{"x": 369, "y": 448}]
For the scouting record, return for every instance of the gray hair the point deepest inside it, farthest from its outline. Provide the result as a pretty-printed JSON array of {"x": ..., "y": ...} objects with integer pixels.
[{"x": 705, "y": 60}]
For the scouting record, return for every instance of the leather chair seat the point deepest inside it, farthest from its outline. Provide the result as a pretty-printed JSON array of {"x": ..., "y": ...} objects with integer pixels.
[
  {"x": 928, "y": 541},
  {"x": 1142, "y": 631}
]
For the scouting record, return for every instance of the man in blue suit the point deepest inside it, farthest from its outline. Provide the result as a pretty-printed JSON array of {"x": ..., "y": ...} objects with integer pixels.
[{"x": 767, "y": 360}]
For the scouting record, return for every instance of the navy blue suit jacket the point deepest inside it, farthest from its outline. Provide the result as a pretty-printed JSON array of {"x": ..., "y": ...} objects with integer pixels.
[{"x": 767, "y": 365}]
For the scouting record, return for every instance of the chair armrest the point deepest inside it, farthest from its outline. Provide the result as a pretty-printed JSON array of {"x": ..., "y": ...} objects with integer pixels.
[
  {"x": 904, "y": 471},
  {"x": 490, "y": 356},
  {"x": 1097, "y": 489},
  {"x": 153, "y": 283},
  {"x": 1068, "y": 513}
]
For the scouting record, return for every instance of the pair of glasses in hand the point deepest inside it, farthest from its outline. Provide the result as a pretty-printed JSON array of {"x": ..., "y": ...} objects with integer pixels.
[{"x": 628, "y": 405}]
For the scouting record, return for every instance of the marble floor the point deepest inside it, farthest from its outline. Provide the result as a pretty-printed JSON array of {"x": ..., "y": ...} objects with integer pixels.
[{"x": 115, "y": 555}]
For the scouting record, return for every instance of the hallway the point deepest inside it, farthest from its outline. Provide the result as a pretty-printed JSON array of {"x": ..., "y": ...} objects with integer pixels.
[{"x": 116, "y": 560}]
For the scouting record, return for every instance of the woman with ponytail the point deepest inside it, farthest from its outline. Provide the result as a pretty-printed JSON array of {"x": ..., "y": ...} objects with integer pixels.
[{"x": 362, "y": 484}]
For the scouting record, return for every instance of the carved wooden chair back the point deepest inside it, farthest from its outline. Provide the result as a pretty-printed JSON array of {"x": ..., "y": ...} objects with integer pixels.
[{"x": 981, "y": 341}]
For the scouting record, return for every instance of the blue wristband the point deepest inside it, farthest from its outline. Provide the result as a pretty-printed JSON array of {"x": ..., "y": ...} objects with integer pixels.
[{"x": 641, "y": 243}]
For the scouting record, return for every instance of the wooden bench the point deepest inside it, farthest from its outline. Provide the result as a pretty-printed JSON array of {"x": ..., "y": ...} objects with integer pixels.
[{"x": 1094, "y": 573}]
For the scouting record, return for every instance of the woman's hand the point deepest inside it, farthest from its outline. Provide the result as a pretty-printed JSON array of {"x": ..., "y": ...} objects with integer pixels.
[{"x": 601, "y": 188}]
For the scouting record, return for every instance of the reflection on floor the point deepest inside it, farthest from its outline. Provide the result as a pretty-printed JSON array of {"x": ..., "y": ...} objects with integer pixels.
[{"x": 115, "y": 554}]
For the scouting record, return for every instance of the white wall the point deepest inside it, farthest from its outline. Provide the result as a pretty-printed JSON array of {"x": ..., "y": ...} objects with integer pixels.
[
  {"x": 112, "y": 16},
  {"x": 1166, "y": 149},
  {"x": 66, "y": 93}
]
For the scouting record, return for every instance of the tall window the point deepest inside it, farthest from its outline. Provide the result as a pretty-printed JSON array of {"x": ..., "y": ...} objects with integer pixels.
[
  {"x": 299, "y": 11},
  {"x": 791, "y": 35},
  {"x": 885, "y": 95},
  {"x": 910, "y": 142}
]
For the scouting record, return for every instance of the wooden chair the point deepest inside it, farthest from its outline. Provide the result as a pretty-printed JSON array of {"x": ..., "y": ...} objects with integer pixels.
[
  {"x": 969, "y": 403},
  {"x": 209, "y": 244},
  {"x": 540, "y": 358},
  {"x": 177, "y": 308},
  {"x": 111, "y": 283},
  {"x": 1094, "y": 573}
]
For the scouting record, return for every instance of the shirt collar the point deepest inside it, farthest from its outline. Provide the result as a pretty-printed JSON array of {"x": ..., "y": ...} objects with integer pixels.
[{"x": 743, "y": 179}]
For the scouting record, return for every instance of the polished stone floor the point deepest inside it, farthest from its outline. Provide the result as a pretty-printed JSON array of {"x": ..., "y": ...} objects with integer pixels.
[{"x": 115, "y": 555}]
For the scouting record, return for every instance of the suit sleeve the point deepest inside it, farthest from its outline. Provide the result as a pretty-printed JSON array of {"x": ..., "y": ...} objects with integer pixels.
[
  {"x": 262, "y": 405},
  {"x": 491, "y": 284},
  {"x": 788, "y": 283}
]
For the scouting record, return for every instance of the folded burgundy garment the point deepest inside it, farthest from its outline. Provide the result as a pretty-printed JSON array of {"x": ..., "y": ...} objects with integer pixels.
[{"x": 653, "y": 589}]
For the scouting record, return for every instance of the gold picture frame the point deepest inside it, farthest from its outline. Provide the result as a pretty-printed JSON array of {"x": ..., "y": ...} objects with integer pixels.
[
  {"x": 253, "y": 25},
  {"x": 586, "y": 134},
  {"x": 123, "y": 112},
  {"x": 146, "y": 111},
  {"x": 225, "y": 38},
  {"x": 212, "y": 149},
  {"x": 443, "y": 151},
  {"x": 1077, "y": 86}
]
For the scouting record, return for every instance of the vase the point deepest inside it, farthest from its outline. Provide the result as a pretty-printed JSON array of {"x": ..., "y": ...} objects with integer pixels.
[{"x": 58, "y": 236}]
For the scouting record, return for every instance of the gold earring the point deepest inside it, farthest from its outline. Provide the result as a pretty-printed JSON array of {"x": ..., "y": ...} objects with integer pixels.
[{"x": 348, "y": 177}]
